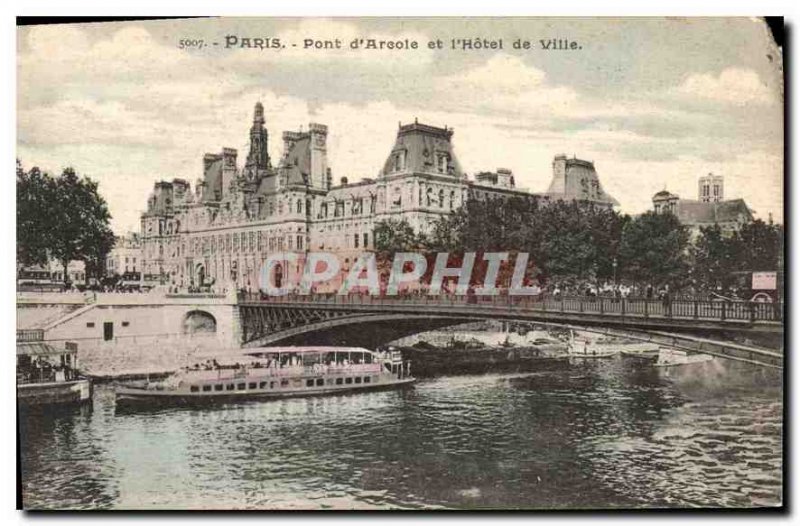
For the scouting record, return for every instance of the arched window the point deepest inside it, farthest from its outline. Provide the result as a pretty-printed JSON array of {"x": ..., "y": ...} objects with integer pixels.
[
  {"x": 198, "y": 321},
  {"x": 441, "y": 198}
]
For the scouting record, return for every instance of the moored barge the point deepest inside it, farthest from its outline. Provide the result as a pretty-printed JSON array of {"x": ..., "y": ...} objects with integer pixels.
[{"x": 48, "y": 376}]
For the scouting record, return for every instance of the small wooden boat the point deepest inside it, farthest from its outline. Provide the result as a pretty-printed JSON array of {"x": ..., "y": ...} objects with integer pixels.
[
  {"x": 273, "y": 372},
  {"x": 674, "y": 358},
  {"x": 591, "y": 349},
  {"x": 640, "y": 354}
]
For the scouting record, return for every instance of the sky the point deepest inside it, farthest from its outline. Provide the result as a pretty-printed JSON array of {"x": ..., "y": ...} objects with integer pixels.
[{"x": 654, "y": 102}]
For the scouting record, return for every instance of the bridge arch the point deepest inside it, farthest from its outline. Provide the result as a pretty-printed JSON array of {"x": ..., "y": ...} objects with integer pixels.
[{"x": 298, "y": 326}]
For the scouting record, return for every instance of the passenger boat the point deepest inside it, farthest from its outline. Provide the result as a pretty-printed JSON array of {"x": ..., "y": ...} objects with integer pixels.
[
  {"x": 49, "y": 376},
  {"x": 274, "y": 372}
]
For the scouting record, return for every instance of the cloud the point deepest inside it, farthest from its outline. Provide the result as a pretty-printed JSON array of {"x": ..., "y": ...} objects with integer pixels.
[
  {"x": 734, "y": 86},
  {"x": 121, "y": 103},
  {"x": 67, "y": 53},
  {"x": 505, "y": 84}
]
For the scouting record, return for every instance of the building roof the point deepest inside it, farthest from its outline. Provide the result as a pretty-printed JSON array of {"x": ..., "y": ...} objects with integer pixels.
[
  {"x": 691, "y": 211},
  {"x": 40, "y": 349},
  {"x": 296, "y": 164},
  {"x": 423, "y": 144},
  {"x": 212, "y": 176},
  {"x": 576, "y": 179},
  {"x": 663, "y": 193}
]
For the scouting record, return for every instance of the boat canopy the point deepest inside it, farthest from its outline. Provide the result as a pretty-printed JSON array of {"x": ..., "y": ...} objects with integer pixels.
[
  {"x": 41, "y": 349},
  {"x": 234, "y": 356},
  {"x": 304, "y": 350}
]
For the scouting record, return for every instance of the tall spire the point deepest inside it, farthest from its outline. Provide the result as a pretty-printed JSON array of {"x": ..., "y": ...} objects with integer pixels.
[
  {"x": 258, "y": 116},
  {"x": 258, "y": 158}
]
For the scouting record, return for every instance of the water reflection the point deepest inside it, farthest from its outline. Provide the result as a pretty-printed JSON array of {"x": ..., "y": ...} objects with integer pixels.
[{"x": 599, "y": 434}]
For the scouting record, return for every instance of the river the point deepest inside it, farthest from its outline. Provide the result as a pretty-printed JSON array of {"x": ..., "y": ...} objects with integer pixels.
[{"x": 597, "y": 435}]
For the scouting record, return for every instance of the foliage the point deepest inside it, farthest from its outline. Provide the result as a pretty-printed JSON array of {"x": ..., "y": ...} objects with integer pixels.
[
  {"x": 64, "y": 218},
  {"x": 35, "y": 193},
  {"x": 393, "y": 235},
  {"x": 568, "y": 240},
  {"x": 653, "y": 250},
  {"x": 713, "y": 260},
  {"x": 717, "y": 259},
  {"x": 759, "y": 246}
]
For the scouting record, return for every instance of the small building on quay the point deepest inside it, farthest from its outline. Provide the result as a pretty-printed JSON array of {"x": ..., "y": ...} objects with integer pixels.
[{"x": 218, "y": 233}]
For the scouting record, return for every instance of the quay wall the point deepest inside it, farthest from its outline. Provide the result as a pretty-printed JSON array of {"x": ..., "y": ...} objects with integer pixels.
[{"x": 124, "y": 334}]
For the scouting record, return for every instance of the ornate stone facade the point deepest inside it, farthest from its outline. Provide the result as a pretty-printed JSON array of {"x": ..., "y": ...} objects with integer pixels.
[{"x": 222, "y": 232}]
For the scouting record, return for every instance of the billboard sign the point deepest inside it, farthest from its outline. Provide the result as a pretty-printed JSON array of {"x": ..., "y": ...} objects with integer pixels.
[{"x": 765, "y": 280}]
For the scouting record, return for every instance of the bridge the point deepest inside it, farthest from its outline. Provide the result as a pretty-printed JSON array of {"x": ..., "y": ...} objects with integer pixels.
[{"x": 749, "y": 332}]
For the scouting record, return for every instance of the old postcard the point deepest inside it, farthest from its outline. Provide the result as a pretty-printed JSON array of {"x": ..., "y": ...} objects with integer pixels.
[{"x": 400, "y": 263}]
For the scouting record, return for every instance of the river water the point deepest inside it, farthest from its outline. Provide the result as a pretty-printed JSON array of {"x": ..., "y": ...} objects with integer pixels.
[{"x": 597, "y": 435}]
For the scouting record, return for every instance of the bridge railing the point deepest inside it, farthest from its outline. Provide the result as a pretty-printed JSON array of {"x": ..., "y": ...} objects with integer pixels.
[
  {"x": 30, "y": 335},
  {"x": 639, "y": 307}
]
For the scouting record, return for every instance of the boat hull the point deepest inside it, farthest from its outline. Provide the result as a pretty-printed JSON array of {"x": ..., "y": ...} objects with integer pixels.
[
  {"x": 670, "y": 358},
  {"x": 54, "y": 393},
  {"x": 593, "y": 355},
  {"x": 640, "y": 357}
]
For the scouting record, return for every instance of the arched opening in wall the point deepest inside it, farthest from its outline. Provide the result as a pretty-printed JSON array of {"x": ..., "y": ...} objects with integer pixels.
[
  {"x": 198, "y": 321},
  {"x": 278, "y": 276}
]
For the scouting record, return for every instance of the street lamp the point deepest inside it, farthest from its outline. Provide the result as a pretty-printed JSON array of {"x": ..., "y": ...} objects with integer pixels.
[{"x": 614, "y": 267}]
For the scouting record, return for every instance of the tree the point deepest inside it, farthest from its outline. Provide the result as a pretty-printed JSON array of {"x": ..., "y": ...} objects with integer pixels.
[
  {"x": 63, "y": 218},
  {"x": 81, "y": 231},
  {"x": 396, "y": 235},
  {"x": 713, "y": 260},
  {"x": 35, "y": 195},
  {"x": 654, "y": 250},
  {"x": 447, "y": 234},
  {"x": 565, "y": 240},
  {"x": 759, "y": 246}
]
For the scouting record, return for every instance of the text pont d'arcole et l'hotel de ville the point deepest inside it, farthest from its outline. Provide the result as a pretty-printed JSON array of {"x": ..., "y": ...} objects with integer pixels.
[{"x": 313, "y": 44}]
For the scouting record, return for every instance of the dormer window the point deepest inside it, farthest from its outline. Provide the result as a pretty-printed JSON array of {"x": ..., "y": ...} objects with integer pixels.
[
  {"x": 399, "y": 161},
  {"x": 441, "y": 162}
]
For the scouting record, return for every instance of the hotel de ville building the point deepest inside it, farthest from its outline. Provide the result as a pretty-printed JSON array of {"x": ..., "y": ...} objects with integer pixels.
[{"x": 219, "y": 233}]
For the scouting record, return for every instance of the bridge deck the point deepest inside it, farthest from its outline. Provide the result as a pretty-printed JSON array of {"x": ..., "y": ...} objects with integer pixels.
[
  {"x": 677, "y": 323},
  {"x": 767, "y": 314}
]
